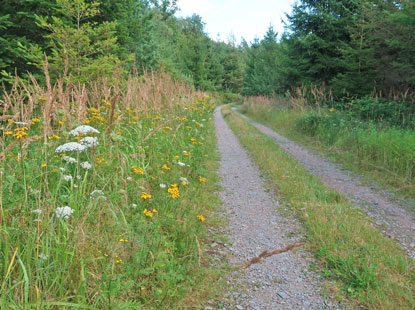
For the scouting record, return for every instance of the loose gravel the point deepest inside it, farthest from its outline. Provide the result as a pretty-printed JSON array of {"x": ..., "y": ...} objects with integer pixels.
[
  {"x": 257, "y": 223},
  {"x": 388, "y": 216}
]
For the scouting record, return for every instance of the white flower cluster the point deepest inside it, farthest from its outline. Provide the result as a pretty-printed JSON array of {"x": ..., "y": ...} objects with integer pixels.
[
  {"x": 64, "y": 212},
  {"x": 181, "y": 164},
  {"x": 86, "y": 165},
  {"x": 70, "y": 146},
  {"x": 184, "y": 181},
  {"x": 162, "y": 185},
  {"x": 89, "y": 141},
  {"x": 67, "y": 177},
  {"x": 69, "y": 160},
  {"x": 97, "y": 194},
  {"x": 84, "y": 129}
]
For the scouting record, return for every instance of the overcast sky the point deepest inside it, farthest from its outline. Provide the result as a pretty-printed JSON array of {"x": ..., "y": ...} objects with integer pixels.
[{"x": 242, "y": 18}]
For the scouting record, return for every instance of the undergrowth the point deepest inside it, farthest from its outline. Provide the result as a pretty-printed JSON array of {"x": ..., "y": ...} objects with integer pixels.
[
  {"x": 383, "y": 153},
  {"x": 116, "y": 219},
  {"x": 368, "y": 267}
]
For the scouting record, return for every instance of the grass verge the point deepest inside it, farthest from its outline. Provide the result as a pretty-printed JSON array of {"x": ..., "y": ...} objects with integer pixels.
[
  {"x": 384, "y": 155},
  {"x": 111, "y": 216},
  {"x": 369, "y": 267}
]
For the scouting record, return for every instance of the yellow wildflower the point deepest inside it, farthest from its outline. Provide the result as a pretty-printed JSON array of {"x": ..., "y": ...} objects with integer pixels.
[
  {"x": 165, "y": 167},
  {"x": 137, "y": 170},
  {"x": 331, "y": 110},
  {"x": 174, "y": 191},
  {"x": 145, "y": 196},
  {"x": 44, "y": 165},
  {"x": 202, "y": 179},
  {"x": 8, "y": 133},
  {"x": 201, "y": 218}
]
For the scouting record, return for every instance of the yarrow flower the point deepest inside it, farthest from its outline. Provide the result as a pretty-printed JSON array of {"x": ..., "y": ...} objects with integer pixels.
[
  {"x": 64, "y": 212},
  {"x": 71, "y": 146},
  {"x": 89, "y": 141},
  {"x": 83, "y": 129},
  {"x": 69, "y": 159},
  {"x": 181, "y": 164},
  {"x": 86, "y": 165},
  {"x": 162, "y": 185}
]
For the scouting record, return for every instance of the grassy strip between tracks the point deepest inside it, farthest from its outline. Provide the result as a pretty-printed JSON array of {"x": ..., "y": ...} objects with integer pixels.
[{"x": 369, "y": 267}]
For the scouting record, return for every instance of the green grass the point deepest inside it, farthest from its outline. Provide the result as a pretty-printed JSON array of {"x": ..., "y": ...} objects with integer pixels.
[
  {"x": 125, "y": 249},
  {"x": 370, "y": 268},
  {"x": 384, "y": 155}
]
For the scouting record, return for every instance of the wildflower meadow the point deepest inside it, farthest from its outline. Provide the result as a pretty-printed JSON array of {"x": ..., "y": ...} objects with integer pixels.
[{"x": 105, "y": 197}]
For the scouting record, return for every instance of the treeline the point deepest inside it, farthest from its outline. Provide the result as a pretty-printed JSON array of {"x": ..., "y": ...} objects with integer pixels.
[
  {"x": 83, "y": 39},
  {"x": 351, "y": 48},
  {"x": 354, "y": 48}
]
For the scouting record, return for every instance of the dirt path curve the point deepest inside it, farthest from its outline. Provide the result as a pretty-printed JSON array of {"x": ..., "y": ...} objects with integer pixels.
[
  {"x": 282, "y": 281},
  {"x": 389, "y": 217}
]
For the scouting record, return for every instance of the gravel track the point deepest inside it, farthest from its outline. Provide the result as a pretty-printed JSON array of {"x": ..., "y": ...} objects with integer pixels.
[
  {"x": 387, "y": 216},
  {"x": 283, "y": 281}
]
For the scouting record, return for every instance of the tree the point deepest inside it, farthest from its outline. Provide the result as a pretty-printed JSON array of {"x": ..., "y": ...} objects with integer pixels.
[
  {"x": 79, "y": 47},
  {"x": 262, "y": 74},
  {"x": 20, "y": 38}
]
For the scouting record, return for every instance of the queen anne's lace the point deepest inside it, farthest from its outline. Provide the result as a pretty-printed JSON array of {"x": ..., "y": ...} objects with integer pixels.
[
  {"x": 86, "y": 165},
  {"x": 97, "y": 194},
  {"x": 71, "y": 146},
  {"x": 64, "y": 212},
  {"x": 69, "y": 159},
  {"x": 89, "y": 141},
  {"x": 84, "y": 129}
]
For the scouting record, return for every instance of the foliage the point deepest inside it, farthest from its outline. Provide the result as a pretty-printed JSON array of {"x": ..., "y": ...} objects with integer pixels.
[{"x": 100, "y": 229}]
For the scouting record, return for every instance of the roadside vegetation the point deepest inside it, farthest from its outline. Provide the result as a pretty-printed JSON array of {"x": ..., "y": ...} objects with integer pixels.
[
  {"x": 374, "y": 138},
  {"x": 104, "y": 203},
  {"x": 369, "y": 268}
]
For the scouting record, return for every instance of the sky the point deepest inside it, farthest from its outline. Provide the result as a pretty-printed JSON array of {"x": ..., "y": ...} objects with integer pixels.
[{"x": 242, "y": 18}]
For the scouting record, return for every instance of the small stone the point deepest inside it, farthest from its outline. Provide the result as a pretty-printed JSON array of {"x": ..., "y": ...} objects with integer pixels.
[
  {"x": 412, "y": 245},
  {"x": 208, "y": 308},
  {"x": 243, "y": 295},
  {"x": 239, "y": 307},
  {"x": 282, "y": 295}
]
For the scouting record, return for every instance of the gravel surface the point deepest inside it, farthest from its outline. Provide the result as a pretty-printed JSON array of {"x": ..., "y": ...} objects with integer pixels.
[
  {"x": 387, "y": 216},
  {"x": 283, "y": 281}
]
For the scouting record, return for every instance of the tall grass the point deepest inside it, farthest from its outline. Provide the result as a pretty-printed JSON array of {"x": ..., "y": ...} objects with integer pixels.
[
  {"x": 139, "y": 198},
  {"x": 371, "y": 147}
]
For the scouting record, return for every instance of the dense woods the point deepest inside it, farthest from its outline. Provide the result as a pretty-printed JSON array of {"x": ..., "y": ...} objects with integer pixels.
[
  {"x": 353, "y": 48},
  {"x": 86, "y": 38}
]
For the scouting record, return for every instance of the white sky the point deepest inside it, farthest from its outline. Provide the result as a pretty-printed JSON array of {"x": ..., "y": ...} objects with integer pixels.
[{"x": 242, "y": 18}]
